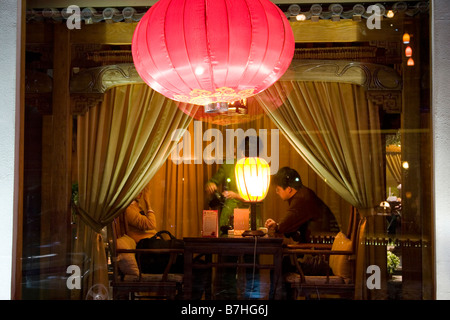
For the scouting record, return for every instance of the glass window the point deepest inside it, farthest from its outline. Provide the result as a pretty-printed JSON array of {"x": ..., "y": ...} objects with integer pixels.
[{"x": 351, "y": 117}]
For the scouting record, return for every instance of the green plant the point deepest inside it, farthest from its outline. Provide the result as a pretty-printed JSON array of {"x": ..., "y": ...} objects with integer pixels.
[
  {"x": 392, "y": 262},
  {"x": 74, "y": 199},
  {"x": 75, "y": 193}
]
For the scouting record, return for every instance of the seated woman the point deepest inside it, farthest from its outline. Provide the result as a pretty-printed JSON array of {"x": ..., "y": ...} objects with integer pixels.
[
  {"x": 142, "y": 226},
  {"x": 140, "y": 217}
]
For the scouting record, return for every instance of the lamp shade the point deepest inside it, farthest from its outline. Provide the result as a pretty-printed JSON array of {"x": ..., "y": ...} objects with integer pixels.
[
  {"x": 252, "y": 178},
  {"x": 406, "y": 38},
  {"x": 207, "y": 51},
  {"x": 408, "y": 52}
]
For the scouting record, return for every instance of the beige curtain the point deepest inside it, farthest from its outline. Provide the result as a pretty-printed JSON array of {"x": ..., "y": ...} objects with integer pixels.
[
  {"x": 336, "y": 130},
  {"x": 121, "y": 144},
  {"x": 178, "y": 195},
  {"x": 394, "y": 162}
]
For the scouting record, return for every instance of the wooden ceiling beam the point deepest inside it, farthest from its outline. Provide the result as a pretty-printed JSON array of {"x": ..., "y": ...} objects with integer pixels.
[
  {"x": 145, "y": 3},
  {"x": 304, "y": 32}
]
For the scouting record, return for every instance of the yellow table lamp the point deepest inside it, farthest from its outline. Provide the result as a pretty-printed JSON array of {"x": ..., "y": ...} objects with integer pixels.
[{"x": 253, "y": 181}]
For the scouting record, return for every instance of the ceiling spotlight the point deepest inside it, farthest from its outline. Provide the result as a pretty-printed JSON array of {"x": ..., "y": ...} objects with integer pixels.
[{"x": 300, "y": 17}]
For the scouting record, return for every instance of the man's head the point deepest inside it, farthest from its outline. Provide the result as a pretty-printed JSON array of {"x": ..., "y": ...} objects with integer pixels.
[
  {"x": 286, "y": 182},
  {"x": 252, "y": 146}
]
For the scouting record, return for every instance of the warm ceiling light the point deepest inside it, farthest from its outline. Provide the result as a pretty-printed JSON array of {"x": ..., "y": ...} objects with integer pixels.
[
  {"x": 405, "y": 165},
  {"x": 408, "y": 51},
  {"x": 410, "y": 62},
  {"x": 207, "y": 51},
  {"x": 300, "y": 17},
  {"x": 390, "y": 14},
  {"x": 406, "y": 38},
  {"x": 253, "y": 181}
]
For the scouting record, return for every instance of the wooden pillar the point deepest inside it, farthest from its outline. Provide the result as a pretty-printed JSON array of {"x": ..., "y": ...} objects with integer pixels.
[
  {"x": 56, "y": 231},
  {"x": 416, "y": 182}
]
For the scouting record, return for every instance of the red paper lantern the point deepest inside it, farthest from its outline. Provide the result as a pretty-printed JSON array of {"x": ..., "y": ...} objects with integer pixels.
[{"x": 208, "y": 51}]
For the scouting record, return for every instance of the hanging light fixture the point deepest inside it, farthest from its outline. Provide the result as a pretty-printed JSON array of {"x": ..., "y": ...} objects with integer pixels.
[
  {"x": 237, "y": 113},
  {"x": 253, "y": 181},
  {"x": 410, "y": 62},
  {"x": 406, "y": 38},
  {"x": 209, "y": 52},
  {"x": 408, "y": 52}
]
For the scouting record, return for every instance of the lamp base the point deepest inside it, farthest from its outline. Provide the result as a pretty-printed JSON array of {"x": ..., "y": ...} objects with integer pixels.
[{"x": 253, "y": 233}]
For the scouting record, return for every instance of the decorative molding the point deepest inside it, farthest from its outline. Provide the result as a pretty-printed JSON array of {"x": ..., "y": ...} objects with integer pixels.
[
  {"x": 389, "y": 101},
  {"x": 294, "y": 12},
  {"x": 369, "y": 75},
  {"x": 383, "y": 84},
  {"x": 337, "y": 53},
  {"x": 88, "y": 86},
  {"x": 100, "y": 79},
  {"x": 81, "y": 103}
]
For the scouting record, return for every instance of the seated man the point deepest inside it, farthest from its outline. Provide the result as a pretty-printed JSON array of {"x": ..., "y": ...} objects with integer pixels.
[{"x": 305, "y": 208}]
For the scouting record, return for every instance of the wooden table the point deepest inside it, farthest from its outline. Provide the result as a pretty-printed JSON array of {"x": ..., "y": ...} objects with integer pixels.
[{"x": 234, "y": 246}]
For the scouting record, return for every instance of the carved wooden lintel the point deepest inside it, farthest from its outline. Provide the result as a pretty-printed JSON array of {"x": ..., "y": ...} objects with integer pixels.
[
  {"x": 369, "y": 75},
  {"x": 100, "y": 79},
  {"x": 82, "y": 102},
  {"x": 389, "y": 101},
  {"x": 88, "y": 86},
  {"x": 383, "y": 84}
]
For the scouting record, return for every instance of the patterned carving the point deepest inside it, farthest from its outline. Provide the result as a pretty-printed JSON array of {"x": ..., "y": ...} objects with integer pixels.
[
  {"x": 81, "y": 103},
  {"x": 389, "y": 101},
  {"x": 383, "y": 83},
  {"x": 369, "y": 75},
  {"x": 100, "y": 79}
]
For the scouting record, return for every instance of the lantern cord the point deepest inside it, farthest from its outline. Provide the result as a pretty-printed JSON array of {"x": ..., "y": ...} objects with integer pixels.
[{"x": 254, "y": 266}]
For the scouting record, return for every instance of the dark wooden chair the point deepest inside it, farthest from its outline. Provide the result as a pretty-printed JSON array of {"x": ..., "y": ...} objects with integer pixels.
[
  {"x": 127, "y": 280},
  {"x": 340, "y": 256}
]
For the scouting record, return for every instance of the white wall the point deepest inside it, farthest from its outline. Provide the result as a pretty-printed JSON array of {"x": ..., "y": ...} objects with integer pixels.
[
  {"x": 10, "y": 30},
  {"x": 441, "y": 133}
]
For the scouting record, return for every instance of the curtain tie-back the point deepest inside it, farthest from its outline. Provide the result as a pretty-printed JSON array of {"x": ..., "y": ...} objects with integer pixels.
[
  {"x": 96, "y": 226},
  {"x": 367, "y": 212}
]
